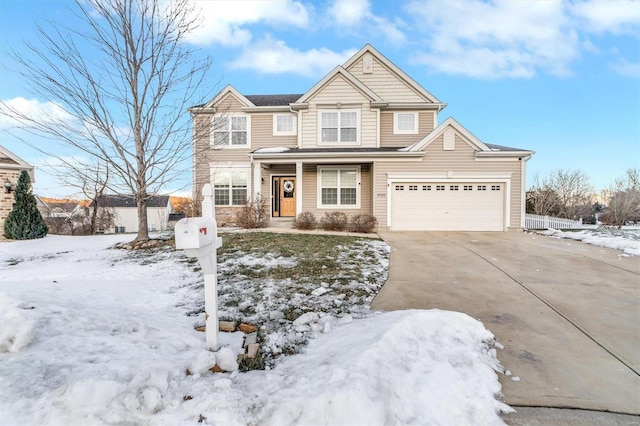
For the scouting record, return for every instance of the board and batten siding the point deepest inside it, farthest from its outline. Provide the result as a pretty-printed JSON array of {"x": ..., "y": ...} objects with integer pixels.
[
  {"x": 339, "y": 90},
  {"x": 384, "y": 82},
  {"x": 461, "y": 160},
  {"x": 388, "y": 139},
  {"x": 310, "y": 191}
]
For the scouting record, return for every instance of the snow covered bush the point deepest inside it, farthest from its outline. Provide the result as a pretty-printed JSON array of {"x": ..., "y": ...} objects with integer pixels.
[
  {"x": 363, "y": 223},
  {"x": 334, "y": 221},
  {"x": 305, "y": 220}
]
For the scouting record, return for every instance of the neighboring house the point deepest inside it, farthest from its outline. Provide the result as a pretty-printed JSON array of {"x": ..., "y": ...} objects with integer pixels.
[
  {"x": 10, "y": 168},
  {"x": 126, "y": 212},
  {"x": 364, "y": 139},
  {"x": 64, "y": 216}
]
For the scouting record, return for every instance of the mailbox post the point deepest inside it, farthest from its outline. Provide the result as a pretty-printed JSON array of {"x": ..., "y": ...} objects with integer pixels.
[{"x": 198, "y": 237}]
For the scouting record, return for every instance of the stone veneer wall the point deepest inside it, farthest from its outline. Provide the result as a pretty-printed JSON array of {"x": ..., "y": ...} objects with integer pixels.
[{"x": 6, "y": 200}]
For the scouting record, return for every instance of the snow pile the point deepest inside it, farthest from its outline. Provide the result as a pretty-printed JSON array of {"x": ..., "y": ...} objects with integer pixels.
[
  {"x": 627, "y": 241},
  {"x": 16, "y": 329},
  {"x": 97, "y": 336},
  {"x": 405, "y": 367}
]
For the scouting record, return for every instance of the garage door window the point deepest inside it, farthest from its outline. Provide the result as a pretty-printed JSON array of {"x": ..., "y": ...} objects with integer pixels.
[{"x": 339, "y": 187}]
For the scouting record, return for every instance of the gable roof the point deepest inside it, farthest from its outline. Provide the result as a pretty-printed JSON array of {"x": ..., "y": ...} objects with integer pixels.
[
  {"x": 471, "y": 139},
  {"x": 273, "y": 100},
  {"x": 229, "y": 89},
  {"x": 118, "y": 200},
  {"x": 357, "y": 84},
  {"x": 10, "y": 160},
  {"x": 393, "y": 68}
]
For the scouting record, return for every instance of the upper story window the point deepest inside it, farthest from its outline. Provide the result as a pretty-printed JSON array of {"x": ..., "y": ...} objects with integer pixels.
[
  {"x": 339, "y": 126},
  {"x": 231, "y": 131},
  {"x": 284, "y": 125},
  {"x": 405, "y": 123}
]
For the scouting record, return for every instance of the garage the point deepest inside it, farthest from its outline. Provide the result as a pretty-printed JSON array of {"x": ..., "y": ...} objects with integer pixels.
[{"x": 447, "y": 206}]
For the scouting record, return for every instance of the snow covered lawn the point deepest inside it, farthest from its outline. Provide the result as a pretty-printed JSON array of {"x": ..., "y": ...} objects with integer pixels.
[
  {"x": 94, "y": 335},
  {"x": 626, "y": 239}
]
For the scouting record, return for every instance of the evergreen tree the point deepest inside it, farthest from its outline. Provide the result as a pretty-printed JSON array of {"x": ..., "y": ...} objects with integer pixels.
[{"x": 25, "y": 221}]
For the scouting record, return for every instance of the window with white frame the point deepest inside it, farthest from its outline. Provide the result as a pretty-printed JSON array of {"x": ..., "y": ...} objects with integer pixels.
[
  {"x": 339, "y": 126},
  {"x": 231, "y": 187},
  {"x": 284, "y": 124},
  {"x": 231, "y": 131},
  {"x": 338, "y": 187},
  {"x": 405, "y": 123}
]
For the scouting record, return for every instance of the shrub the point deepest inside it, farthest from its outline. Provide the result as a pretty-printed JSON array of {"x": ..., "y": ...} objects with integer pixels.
[
  {"x": 24, "y": 221},
  {"x": 334, "y": 221},
  {"x": 305, "y": 220},
  {"x": 363, "y": 223},
  {"x": 254, "y": 214}
]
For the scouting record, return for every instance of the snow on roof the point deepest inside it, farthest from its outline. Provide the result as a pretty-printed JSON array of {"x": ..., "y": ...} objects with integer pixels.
[{"x": 271, "y": 150}]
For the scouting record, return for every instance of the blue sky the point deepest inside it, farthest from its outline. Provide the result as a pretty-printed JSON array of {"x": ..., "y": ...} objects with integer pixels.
[{"x": 559, "y": 78}]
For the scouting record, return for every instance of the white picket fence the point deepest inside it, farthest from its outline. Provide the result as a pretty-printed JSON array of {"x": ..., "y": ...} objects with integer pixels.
[{"x": 534, "y": 221}]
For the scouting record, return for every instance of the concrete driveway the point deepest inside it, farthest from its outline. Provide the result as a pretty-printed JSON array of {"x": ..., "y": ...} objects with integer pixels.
[{"x": 567, "y": 313}]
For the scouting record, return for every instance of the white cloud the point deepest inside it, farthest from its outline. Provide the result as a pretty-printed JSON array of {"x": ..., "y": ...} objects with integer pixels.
[
  {"x": 495, "y": 39},
  {"x": 270, "y": 56},
  {"x": 355, "y": 15},
  {"x": 349, "y": 12},
  {"x": 224, "y": 21},
  {"x": 33, "y": 108},
  {"x": 626, "y": 68},
  {"x": 615, "y": 17}
]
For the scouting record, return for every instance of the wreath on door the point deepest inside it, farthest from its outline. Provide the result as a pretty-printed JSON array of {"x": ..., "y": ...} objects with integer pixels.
[{"x": 288, "y": 186}]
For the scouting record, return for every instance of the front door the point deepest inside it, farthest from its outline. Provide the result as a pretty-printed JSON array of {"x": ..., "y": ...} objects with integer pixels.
[{"x": 284, "y": 196}]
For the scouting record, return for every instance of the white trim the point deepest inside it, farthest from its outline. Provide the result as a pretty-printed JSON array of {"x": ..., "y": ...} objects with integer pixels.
[
  {"x": 394, "y": 69},
  {"x": 377, "y": 127},
  {"x": 230, "y": 117},
  {"x": 233, "y": 168},
  {"x": 294, "y": 130},
  {"x": 523, "y": 189},
  {"x": 416, "y": 123},
  {"x": 257, "y": 179},
  {"x": 357, "y": 142},
  {"x": 319, "y": 204},
  {"x": 272, "y": 195},
  {"x": 229, "y": 89},
  {"x": 467, "y": 135},
  {"x": 299, "y": 173},
  {"x": 354, "y": 82}
]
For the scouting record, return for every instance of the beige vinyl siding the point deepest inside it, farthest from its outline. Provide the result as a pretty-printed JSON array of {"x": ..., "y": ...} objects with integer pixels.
[
  {"x": 262, "y": 133},
  {"x": 385, "y": 83},
  {"x": 437, "y": 160},
  {"x": 310, "y": 190},
  {"x": 339, "y": 90},
  {"x": 229, "y": 104},
  {"x": 387, "y": 138}
]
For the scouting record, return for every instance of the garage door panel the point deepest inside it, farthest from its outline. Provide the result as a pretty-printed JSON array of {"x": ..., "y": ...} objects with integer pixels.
[{"x": 448, "y": 207}]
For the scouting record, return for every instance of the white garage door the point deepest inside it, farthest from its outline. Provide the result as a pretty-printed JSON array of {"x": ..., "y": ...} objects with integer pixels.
[{"x": 447, "y": 207}]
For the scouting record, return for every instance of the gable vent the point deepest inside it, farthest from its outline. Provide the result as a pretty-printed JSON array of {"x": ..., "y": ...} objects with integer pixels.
[{"x": 449, "y": 140}]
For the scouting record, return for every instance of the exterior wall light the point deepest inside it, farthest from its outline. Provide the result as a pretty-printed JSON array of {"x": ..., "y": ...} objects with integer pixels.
[{"x": 8, "y": 186}]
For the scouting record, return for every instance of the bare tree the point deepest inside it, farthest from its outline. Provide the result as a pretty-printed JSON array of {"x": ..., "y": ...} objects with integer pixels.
[
  {"x": 123, "y": 77},
  {"x": 574, "y": 191},
  {"x": 541, "y": 198},
  {"x": 623, "y": 199}
]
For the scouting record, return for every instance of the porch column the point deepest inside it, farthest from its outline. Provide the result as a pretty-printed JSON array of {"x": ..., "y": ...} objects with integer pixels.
[
  {"x": 298, "y": 187},
  {"x": 257, "y": 178}
]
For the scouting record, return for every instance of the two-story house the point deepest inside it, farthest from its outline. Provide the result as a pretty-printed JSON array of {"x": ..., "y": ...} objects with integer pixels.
[{"x": 364, "y": 139}]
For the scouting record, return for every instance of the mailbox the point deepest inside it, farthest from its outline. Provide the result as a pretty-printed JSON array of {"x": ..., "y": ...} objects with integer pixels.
[{"x": 195, "y": 233}]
